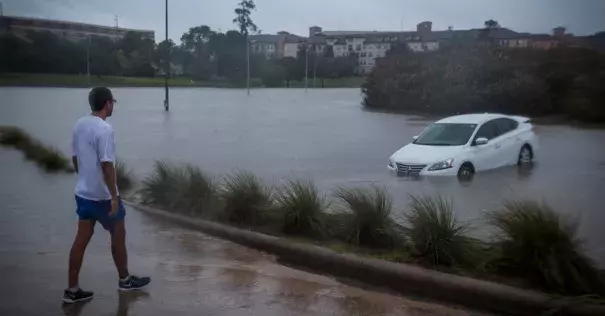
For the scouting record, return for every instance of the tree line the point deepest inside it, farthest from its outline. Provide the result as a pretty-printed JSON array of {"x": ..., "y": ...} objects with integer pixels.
[
  {"x": 565, "y": 81},
  {"x": 203, "y": 54}
]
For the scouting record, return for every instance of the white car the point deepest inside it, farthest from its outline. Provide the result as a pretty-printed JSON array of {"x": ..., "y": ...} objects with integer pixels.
[{"x": 464, "y": 144}]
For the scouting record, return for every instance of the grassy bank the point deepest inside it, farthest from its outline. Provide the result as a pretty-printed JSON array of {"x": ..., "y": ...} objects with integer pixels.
[
  {"x": 532, "y": 246},
  {"x": 58, "y": 80},
  {"x": 49, "y": 158}
]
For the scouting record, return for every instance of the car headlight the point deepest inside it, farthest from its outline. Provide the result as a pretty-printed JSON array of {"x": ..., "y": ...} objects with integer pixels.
[
  {"x": 443, "y": 164},
  {"x": 391, "y": 163}
]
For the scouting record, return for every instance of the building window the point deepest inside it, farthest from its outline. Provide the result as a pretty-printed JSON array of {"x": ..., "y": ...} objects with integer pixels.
[
  {"x": 363, "y": 54},
  {"x": 370, "y": 54},
  {"x": 358, "y": 48},
  {"x": 350, "y": 47}
]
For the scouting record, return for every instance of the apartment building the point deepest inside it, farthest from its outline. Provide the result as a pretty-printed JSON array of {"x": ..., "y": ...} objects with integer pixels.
[
  {"x": 69, "y": 30},
  {"x": 273, "y": 46},
  {"x": 366, "y": 46},
  {"x": 264, "y": 44}
]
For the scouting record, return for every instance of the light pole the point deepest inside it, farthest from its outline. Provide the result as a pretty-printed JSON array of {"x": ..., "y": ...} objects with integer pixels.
[
  {"x": 167, "y": 69},
  {"x": 248, "y": 42},
  {"x": 314, "y": 66},
  {"x": 306, "y": 67},
  {"x": 88, "y": 61}
]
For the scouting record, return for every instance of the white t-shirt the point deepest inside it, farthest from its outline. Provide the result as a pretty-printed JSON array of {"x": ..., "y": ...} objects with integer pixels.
[{"x": 92, "y": 143}]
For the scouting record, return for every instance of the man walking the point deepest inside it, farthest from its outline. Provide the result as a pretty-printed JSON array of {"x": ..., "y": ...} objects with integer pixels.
[{"x": 97, "y": 198}]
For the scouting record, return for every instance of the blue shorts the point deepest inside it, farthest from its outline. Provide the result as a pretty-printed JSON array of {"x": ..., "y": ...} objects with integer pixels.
[{"x": 98, "y": 211}]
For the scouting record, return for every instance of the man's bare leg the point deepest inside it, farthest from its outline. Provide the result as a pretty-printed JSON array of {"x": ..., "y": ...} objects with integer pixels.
[
  {"x": 76, "y": 255},
  {"x": 127, "y": 282},
  {"x": 118, "y": 248}
]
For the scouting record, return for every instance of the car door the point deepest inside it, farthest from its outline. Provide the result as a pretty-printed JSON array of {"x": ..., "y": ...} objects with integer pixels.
[
  {"x": 508, "y": 140},
  {"x": 485, "y": 157}
]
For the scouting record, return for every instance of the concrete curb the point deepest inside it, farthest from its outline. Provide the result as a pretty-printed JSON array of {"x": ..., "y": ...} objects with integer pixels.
[{"x": 406, "y": 279}]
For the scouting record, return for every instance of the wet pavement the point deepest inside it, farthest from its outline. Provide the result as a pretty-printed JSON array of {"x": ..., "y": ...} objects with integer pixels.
[{"x": 193, "y": 274}]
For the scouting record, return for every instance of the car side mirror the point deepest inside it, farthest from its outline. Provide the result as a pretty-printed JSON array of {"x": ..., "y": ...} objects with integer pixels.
[
  {"x": 481, "y": 141},
  {"x": 415, "y": 137}
]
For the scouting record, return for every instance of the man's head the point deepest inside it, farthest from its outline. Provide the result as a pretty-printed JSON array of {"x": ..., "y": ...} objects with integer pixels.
[{"x": 101, "y": 101}]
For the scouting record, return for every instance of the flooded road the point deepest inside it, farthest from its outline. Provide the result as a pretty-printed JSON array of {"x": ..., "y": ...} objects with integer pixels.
[
  {"x": 193, "y": 274},
  {"x": 323, "y": 135}
]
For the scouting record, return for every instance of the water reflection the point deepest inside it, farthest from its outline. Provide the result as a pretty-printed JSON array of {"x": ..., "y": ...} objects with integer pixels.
[
  {"x": 127, "y": 299},
  {"x": 234, "y": 278},
  {"x": 74, "y": 309}
]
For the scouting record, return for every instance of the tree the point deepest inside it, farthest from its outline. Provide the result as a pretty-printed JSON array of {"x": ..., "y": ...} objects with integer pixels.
[
  {"x": 290, "y": 67},
  {"x": 273, "y": 74},
  {"x": 243, "y": 19},
  {"x": 163, "y": 55},
  {"x": 487, "y": 30},
  {"x": 196, "y": 37},
  {"x": 491, "y": 24}
]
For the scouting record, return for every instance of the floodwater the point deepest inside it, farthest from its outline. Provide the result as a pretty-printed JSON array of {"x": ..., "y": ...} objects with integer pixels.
[{"x": 279, "y": 134}]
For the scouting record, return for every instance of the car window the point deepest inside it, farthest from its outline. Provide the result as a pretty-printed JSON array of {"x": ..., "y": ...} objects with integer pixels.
[
  {"x": 488, "y": 130},
  {"x": 446, "y": 134},
  {"x": 506, "y": 125}
]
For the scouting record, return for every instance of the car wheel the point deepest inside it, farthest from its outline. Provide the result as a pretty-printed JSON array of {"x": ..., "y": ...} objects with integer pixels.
[
  {"x": 525, "y": 155},
  {"x": 466, "y": 172}
]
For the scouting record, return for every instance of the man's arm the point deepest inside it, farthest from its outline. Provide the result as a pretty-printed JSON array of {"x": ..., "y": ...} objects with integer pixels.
[
  {"x": 74, "y": 160},
  {"x": 74, "y": 153},
  {"x": 109, "y": 174},
  {"x": 106, "y": 153}
]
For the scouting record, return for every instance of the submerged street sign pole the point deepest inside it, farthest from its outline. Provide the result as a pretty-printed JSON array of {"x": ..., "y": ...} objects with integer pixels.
[
  {"x": 248, "y": 64},
  {"x": 167, "y": 71}
]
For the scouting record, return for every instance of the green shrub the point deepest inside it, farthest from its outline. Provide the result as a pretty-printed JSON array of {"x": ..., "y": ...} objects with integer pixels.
[
  {"x": 160, "y": 187},
  {"x": 124, "y": 176},
  {"x": 12, "y": 136},
  {"x": 49, "y": 158},
  {"x": 436, "y": 235},
  {"x": 184, "y": 189},
  {"x": 52, "y": 160},
  {"x": 303, "y": 208},
  {"x": 536, "y": 244},
  {"x": 367, "y": 219},
  {"x": 246, "y": 200},
  {"x": 197, "y": 193},
  {"x": 460, "y": 79}
]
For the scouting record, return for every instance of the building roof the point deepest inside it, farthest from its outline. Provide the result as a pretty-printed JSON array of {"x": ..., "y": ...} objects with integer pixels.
[
  {"x": 291, "y": 38},
  {"x": 356, "y": 33},
  {"x": 473, "y": 34},
  {"x": 12, "y": 19},
  {"x": 264, "y": 38}
]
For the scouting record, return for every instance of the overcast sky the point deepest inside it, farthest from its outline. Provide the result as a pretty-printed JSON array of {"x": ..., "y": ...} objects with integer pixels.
[{"x": 539, "y": 16}]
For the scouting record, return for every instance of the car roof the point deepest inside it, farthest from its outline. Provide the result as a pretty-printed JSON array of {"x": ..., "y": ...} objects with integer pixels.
[{"x": 471, "y": 118}]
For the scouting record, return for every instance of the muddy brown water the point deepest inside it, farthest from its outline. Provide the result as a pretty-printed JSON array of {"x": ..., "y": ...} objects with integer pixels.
[{"x": 279, "y": 134}]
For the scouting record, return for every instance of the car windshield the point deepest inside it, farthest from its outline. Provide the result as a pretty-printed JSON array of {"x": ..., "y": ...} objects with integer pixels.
[{"x": 442, "y": 134}]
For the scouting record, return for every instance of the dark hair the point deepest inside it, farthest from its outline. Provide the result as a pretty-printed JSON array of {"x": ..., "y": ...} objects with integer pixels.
[{"x": 98, "y": 97}]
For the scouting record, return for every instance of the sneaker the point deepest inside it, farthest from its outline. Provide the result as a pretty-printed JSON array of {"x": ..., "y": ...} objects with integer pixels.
[
  {"x": 133, "y": 283},
  {"x": 70, "y": 297}
]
